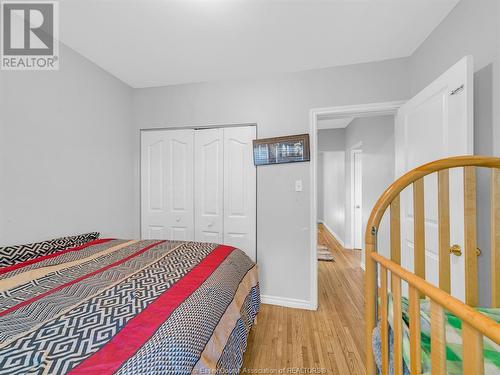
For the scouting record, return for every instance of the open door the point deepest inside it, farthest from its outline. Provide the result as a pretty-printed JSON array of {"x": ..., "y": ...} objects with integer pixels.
[{"x": 436, "y": 123}]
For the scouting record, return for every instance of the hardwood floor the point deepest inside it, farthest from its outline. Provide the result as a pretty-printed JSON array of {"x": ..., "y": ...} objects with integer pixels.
[{"x": 330, "y": 339}]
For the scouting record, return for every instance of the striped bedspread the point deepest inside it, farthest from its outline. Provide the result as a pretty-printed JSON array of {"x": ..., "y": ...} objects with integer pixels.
[{"x": 128, "y": 307}]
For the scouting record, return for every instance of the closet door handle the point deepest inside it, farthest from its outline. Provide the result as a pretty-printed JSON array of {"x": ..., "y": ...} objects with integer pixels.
[
  {"x": 210, "y": 224},
  {"x": 177, "y": 219}
]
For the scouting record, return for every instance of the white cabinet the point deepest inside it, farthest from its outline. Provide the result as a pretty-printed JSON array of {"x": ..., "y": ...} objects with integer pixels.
[{"x": 199, "y": 185}]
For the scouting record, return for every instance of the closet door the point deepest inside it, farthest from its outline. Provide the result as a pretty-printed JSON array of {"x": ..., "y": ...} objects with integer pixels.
[
  {"x": 240, "y": 189},
  {"x": 167, "y": 185},
  {"x": 209, "y": 189}
]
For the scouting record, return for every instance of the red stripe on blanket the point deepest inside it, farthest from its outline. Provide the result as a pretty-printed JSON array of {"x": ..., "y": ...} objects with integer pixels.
[
  {"x": 45, "y": 257},
  {"x": 81, "y": 278},
  {"x": 143, "y": 326}
]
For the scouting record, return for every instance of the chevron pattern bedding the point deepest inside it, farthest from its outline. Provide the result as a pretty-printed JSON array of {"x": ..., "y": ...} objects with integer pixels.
[
  {"x": 128, "y": 307},
  {"x": 10, "y": 255}
]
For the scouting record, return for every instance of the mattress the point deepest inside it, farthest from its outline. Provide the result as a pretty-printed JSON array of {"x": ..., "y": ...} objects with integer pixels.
[
  {"x": 128, "y": 307},
  {"x": 453, "y": 330}
]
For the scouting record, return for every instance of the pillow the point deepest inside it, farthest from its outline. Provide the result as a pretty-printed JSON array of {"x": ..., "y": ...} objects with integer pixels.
[{"x": 11, "y": 255}]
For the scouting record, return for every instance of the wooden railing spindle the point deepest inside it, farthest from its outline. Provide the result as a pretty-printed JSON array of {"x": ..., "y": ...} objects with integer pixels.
[
  {"x": 495, "y": 237},
  {"x": 419, "y": 228},
  {"x": 397, "y": 324},
  {"x": 470, "y": 238},
  {"x": 444, "y": 229},
  {"x": 395, "y": 211},
  {"x": 438, "y": 340},
  {"x": 472, "y": 350},
  {"x": 370, "y": 303},
  {"x": 415, "y": 349},
  {"x": 384, "y": 323}
]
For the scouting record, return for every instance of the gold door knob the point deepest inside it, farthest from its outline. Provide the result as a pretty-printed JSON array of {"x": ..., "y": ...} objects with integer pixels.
[{"x": 456, "y": 250}]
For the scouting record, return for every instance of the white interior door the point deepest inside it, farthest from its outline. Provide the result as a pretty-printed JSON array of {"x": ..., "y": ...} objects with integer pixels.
[
  {"x": 436, "y": 123},
  {"x": 240, "y": 189},
  {"x": 358, "y": 197},
  {"x": 209, "y": 185},
  {"x": 167, "y": 184}
]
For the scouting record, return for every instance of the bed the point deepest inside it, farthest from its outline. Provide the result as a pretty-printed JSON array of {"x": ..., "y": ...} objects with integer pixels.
[
  {"x": 428, "y": 330},
  {"x": 128, "y": 307}
]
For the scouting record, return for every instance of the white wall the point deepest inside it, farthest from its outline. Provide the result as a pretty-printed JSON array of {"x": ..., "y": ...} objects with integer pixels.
[
  {"x": 320, "y": 197},
  {"x": 331, "y": 139},
  {"x": 66, "y": 153},
  {"x": 334, "y": 193},
  {"x": 279, "y": 105},
  {"x": 331, "y": 180},
  {"x": 376, "y": 135},
  {"x": 471, "y": 28}
]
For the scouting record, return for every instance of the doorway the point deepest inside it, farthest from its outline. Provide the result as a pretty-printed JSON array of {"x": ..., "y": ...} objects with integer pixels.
[{"x": 340, "y": 118}]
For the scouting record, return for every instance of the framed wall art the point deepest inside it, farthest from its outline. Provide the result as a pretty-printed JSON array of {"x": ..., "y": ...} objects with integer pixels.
[{"x": 278, "y": 150}]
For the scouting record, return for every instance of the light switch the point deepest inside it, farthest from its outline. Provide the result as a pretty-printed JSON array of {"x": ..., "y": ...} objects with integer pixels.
[{"x": 298, "y": 185}]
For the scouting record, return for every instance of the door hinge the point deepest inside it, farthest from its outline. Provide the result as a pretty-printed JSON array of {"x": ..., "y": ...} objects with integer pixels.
[{"x": 457, "y": 90}]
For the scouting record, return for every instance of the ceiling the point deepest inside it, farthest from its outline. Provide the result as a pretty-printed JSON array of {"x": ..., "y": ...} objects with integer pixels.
[
  {"x": 334, "y": 123},
  {"x": 149, "y": 43}
]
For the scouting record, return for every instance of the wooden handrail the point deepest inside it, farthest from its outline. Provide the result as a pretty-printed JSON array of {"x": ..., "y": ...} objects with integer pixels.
[
  {"x": 401, "y": 183},
  {"x": 482, "y": 323}
]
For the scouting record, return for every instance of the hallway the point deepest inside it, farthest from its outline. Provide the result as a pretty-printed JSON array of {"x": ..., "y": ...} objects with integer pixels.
[{"x": 331, "y": 338}]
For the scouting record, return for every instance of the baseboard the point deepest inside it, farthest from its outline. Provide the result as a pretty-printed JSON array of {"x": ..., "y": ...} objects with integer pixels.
[
  {"x": 287, "y": 302},
  {"x": 337, "y": 237}
]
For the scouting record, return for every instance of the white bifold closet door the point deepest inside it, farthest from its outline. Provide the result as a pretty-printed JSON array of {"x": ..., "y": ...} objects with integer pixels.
[
  {"x": 200, "y": 185},
  {"x": 209, "y": 182},
  {"x": 167, "y": 207},
  {"x": 240, "y": 189}
]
